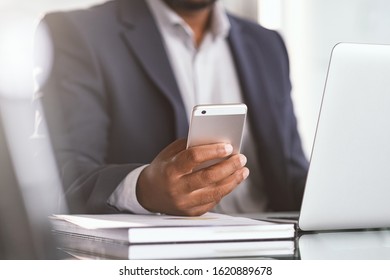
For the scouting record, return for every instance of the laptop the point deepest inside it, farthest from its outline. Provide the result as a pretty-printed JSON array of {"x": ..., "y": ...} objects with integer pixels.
[
  {"x": 15, "y": 238},
  {"x": 348, "y": 183},
  {"x": 29, "y": 188}
]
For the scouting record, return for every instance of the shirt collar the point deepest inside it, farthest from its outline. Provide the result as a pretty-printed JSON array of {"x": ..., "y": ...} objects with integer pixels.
[{"x": 166, "y": 18}]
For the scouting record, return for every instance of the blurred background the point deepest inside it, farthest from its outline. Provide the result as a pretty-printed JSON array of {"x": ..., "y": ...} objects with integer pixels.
[{"x": 310, "y": 28}]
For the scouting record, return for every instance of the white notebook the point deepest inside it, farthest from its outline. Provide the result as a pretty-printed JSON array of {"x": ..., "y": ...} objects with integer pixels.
[
  {"x": 133, "y": 229},
  {"x": 89, "y": 248}
]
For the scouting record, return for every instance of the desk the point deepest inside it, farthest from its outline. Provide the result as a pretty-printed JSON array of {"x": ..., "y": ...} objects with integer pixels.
[
  {"x": 347, "y": 245},
  {"x": 336, "y": 245}
]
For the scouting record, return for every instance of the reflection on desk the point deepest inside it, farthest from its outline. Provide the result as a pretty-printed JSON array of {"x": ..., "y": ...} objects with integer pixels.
[{"x": 353, "y": 245}]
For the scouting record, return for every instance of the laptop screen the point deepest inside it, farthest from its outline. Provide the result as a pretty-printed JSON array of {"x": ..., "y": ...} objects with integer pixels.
[
  {"x": 27, "y": 198},
  {"x": 15, "y": 237},
  {"x": 348, "y": 181}
]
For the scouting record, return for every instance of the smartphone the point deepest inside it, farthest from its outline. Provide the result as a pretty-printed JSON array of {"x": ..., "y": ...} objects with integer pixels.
[{"x": 220, "y": 123}]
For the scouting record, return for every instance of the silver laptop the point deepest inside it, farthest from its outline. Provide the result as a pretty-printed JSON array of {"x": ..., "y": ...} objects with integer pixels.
[
  {"x": 30, "y": 190},
  {"x": 348, "y": 184}
]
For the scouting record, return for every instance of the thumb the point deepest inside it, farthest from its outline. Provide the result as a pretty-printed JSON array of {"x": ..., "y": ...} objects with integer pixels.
[{"x": 174, "y": 148}]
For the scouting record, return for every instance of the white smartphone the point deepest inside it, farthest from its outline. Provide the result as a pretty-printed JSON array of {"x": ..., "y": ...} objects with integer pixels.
[{"x": 221, "y": 123}]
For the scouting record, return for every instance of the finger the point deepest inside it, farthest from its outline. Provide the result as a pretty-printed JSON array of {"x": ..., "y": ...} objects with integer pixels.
[
  {"x": 192, "y": 157},
  {"x": 174, "y": 148},
  {"x": 214, "y": 193},
  {"x": 200, "y": 210},
  {"x": 215, "y": 173}
]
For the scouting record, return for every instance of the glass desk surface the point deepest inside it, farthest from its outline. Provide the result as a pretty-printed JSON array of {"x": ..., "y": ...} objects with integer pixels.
[{"x": 345, "y": 245}]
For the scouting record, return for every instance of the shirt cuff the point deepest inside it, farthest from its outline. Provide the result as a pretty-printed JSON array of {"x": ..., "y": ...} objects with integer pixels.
[{"x": 124, "y": 198}]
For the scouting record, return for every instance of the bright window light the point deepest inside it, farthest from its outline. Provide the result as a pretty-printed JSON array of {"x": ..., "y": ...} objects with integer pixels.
[{"x": 270, "y": 13}]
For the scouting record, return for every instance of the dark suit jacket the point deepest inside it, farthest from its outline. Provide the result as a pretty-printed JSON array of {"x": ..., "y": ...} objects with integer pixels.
[{"x": 113, "y": 104}]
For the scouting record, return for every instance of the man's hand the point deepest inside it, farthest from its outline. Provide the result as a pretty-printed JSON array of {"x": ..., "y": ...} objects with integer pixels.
[{"x": 170, "y": 186}]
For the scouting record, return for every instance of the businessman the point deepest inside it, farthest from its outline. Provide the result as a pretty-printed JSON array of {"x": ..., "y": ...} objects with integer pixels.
[{"x": 124, "y": 79}]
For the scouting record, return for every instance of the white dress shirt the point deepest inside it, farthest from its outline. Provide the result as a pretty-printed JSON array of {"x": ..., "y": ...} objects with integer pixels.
[{"x": 205, "y": 75}]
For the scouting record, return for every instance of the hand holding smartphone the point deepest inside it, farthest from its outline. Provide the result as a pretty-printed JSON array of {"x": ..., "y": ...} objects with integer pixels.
[
  {"x": 173, "y": 182},
  {"x": 220, "y": 123}
]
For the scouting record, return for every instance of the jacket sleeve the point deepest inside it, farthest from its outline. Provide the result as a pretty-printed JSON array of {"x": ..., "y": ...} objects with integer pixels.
[{"x": 78, "y": 117}]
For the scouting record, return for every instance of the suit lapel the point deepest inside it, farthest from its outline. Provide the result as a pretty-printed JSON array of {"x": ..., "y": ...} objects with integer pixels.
[
  {"x": 145, "y": 41},
  {"x": 262, "y": 113},
  {"x": 256, "y": 93}
]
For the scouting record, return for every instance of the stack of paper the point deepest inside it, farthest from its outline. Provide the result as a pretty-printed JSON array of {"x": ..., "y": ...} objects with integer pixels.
[{"x": 172, "y": 237}]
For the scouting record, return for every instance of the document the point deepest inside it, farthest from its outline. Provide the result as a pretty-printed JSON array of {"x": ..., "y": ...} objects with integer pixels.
[{"x": 141, "y": 229}]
